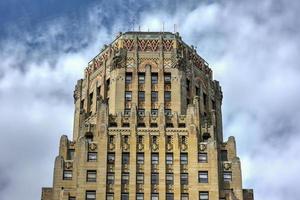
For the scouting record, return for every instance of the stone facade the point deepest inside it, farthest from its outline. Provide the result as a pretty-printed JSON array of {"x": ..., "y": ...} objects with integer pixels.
[{"x": 147, "y": 125}]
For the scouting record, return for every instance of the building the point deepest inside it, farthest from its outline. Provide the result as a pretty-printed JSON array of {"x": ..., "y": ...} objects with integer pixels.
[{"x": 147, "y": 125}]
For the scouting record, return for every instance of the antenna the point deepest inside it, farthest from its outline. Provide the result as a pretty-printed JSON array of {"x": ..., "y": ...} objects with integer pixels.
[
  {"x": 174, "y": 28},
  {"x": 139, "y": 28},
  {"x": 163, "y": 27}
]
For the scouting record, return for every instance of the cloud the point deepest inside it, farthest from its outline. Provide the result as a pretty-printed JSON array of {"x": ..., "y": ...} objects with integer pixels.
[{"x": 251, "y": 46}]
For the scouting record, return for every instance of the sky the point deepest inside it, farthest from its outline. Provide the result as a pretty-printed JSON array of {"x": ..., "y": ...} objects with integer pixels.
[{"x": 252, "y": 46}]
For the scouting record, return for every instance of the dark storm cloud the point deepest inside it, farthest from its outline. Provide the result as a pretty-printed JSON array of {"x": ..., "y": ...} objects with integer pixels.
[{"x": 252, "y": 46}]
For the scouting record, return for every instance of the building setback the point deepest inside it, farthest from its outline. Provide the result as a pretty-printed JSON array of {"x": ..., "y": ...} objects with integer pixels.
[{"x": 147, "y": 125}]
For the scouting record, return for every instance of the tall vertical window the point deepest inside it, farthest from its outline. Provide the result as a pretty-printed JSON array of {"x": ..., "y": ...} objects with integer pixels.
[
  {"x": 187, "y": 85},
  {"x": 141, "y": 78},
  {"x": 154, "y": 178},
  {"x": 128, "y": 78},
  {"x": 203, "y": 177},
  {"x": 107, "y": 84},
  {"x": 224, "y": 156},
  {"x": 203, "y": 196},
  {"x": 167, "y": 78},
  {"x": 184, "y": 179},
  {"x": 227, "y": 176},
  {"x": 91, "y": 175},
  {"x": 183, "y": 158},
  {"x": 125, "y": 158},
  {"x": 128, "y": 96},
  {"x": 169, "y": 158},
  {"x": 140, "y": 178},
  {"x": 71, "y": 154},
  {"x": 125, "y": 178},
  {"x": 141, "y": 96},
  {"x": 110, "y": 178},
  {"x": 91, "y": 98},
  {"x": 169, "y": 179},
  {"x": 167, "y": 96},
  {"x": 140, "y": 158},
  {"x": 202, "y": 157},
  {"x": 197, "y": 91},
  {"x": 204, "y": 99},
  {"x": 154, "y": 158},
  {"x": 154, "y": 78},
  {"x": 98, "y": 91},
  {"x": 90, "y": 195},
  {"x": 154, "y": 96}
]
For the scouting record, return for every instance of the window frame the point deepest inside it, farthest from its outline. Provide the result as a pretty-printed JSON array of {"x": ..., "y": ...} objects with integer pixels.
[{"x": 203, "y": 179}]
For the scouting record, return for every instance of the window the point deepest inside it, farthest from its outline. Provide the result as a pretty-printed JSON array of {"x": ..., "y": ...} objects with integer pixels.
[
  {"x": 154, "y": 158},
  {"x": 169, "y": 179},
  {"x": 202, "y": 157},
  {"x": 90, "y": 195},
  {"x": 169, "y": 158},
  {"x": 98, "y": 91},
  {"x": 167, "y": 78},
  {"x": 128, "y": 96},
  {"x": 187, "y": 85},
  {"x": 67, "y": 175},
  {"x": 154, "y": 196},
  {"x": 140, "y": 158},
  {"x": 91, "y": 99},
  {"x": 107, "y": 84},
  {"x": 125, "y": 178},
  {"x": 154, "y": 112},
  {"x": 153, "y": 125},
  {"x": 89, "y": 137},
  {"x": 139, "y": 196},
  {"x": 141, "y": 96},
  {"x": 92, "y": 156},
  {"x": 184, "y": 179},
  {"x": 125, "y": 158},
  {"x": 154, "y": 178},
  {"x": 168, "y": 112},
  {"x": 141, "y": 78},
  {"x": 110, "y": 196},
  {"x": 154, "y": 78},
  {"x": 111, "y": 158},
  {"x": 204, "y": 99},
  {"x": 183, "y": 158},
  {"x": 170, "y": 196},
  {"x": 213, "y": 104},
  {"x": 111, "y": 139},
  {"x": 203, "y": 195},
  {"x": 72, "y": 198},
  {"x": 197, "y": 91},
  {"x": 124, "y": 196},
  {"x": 91, "y": 175},
  {"x": 167, "y": 96},
  {"x": 82, "y": 104},
  {"x": 110, "y": 178},
  {"x": 71, "y": 154},
  {"x": 128, "y": 78},
  {"x": 139, "y": 178},
  {"x": 184, "y": 196},
  {"x": 224, "y": 156},
  {"x": 203, "y": 177},
  {"x": 227, "y": 176},
  {"x": 154, "y": 96}
]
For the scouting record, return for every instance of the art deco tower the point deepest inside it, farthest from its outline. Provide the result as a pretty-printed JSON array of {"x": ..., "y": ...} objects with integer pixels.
[{"x": 147, "y": 125}]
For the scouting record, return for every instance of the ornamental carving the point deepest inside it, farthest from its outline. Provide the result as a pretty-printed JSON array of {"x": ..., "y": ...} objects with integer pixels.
[
  {"x": 167, "y": 45},
  {"x": 92, "y": 146},
  {"x": 202, "y": 147},
  {"x": 118, "y": 60},
  {"x": 68, "y": 165},
  {"x": 148, "y": 45},
  {"x": 128, "y": 44},
  {"x": 227, "y": 165}
]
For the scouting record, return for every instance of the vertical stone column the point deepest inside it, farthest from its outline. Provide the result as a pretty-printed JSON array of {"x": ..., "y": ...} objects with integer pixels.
[
  {"x": 118, "y": 166},
  {"x": 132, "y": 166},
  {"x": 147, "y": 167},
  {"x": 162, "y": 166},
  {"x": 176, "y": 165}
]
